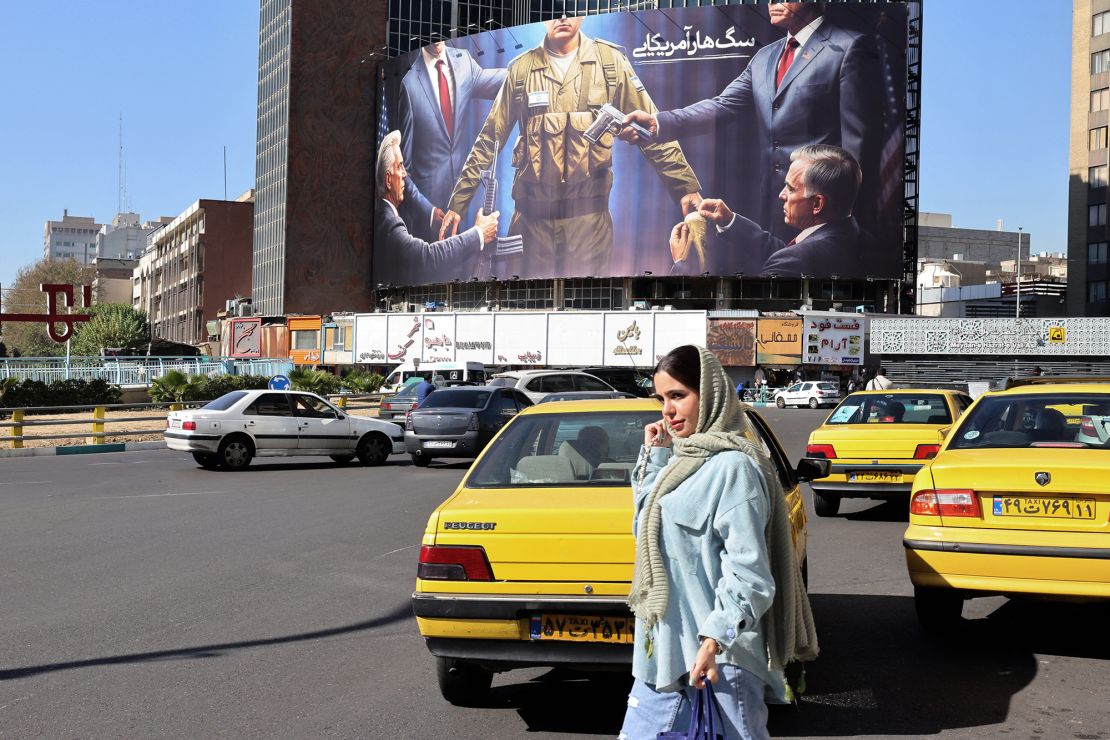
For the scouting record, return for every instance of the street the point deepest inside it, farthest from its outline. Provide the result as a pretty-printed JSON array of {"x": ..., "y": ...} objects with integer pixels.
[{"x": 145, "y": 597}]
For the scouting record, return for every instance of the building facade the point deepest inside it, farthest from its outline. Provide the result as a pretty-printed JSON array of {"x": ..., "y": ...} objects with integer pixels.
[
  {"x": 1087, "y": 161},
  {"x": 74, "y": 237},
  {"x": 192, "y": 266},
  {"x": 124, "y": 238}
]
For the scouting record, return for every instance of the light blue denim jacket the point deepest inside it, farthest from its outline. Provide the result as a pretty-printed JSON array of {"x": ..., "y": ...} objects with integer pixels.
[{"x": 714, "y": 545}]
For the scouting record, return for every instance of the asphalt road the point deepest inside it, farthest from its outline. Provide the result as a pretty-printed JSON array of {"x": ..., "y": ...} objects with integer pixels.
[{"x": 143, "y": 597}]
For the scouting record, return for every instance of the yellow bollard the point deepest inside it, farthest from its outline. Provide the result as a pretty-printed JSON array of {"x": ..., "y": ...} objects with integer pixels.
[
  {"x": 17, "y": 430},
  {"x": 98, "y": 427},
  {"x": 341, "y": 402},
  {"x": 176, "y": 406}
]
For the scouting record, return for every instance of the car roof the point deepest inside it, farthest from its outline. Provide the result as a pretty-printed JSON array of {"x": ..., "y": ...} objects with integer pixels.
[
  {"x": 599, "y": 404},
  {"x": 907, "y": 391},
  {"x": 1053, "y": 385}
]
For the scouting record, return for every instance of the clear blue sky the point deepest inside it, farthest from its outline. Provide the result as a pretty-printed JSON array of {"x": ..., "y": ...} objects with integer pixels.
[{"x": 994, "y": 129}]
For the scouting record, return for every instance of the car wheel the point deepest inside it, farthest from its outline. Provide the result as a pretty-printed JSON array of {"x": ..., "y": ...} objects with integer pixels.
[
  {"x": 235, "y": 452},
  {"x": 206, "y": 460},
  {"x": 780, "y": 402},
  {"x": 462, "y": 683},
  {"x": 420, "y": 461},
  {"x": 938, "y": 609},
  {"x": 373, "y": 449},
  {"x": 813, "y": 403},
  {"x": 825, "y": 505},
  {"x": 342, "y": 459}
]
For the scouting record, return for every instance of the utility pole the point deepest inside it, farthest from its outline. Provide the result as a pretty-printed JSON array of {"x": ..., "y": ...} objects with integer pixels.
[{"x": 1017, "y": 283}]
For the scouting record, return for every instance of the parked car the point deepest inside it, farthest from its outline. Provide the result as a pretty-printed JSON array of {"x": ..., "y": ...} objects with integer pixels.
[
  {"x": 241, "y": 425},
  {"x": 585, "y": 396},
  {"x": 529, "y": 561},
  {"x": 878, "y": 440},
  {"x": 808, "y": 393},
  {"x": 538, "y": 383},
  {"x": 627, "y": 379},
  {"x": 396, "y": 407},
  {"x": 459, "y": 422},
  {"x": 1015, "y": 502}
]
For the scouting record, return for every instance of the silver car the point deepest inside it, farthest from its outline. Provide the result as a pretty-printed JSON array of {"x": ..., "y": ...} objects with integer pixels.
[{"x": 241, "y": 425}]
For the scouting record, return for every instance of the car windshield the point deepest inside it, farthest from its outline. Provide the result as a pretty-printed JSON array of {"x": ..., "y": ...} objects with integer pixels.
[
  {"x": 224, "y": 402},
  {"x": 828, "y": 387},
  {"x": 1036, "y": 420},
  {"x": 892, "y": 408},
  {"x": 502, "y": 382},
  {"x": 570, "y": 449},
  {"x": 457, "y": 398}
]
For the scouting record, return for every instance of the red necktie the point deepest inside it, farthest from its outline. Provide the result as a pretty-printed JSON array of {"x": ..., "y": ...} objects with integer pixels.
[
  {"x": 445, "y": 98},
  {"x": 785, "y": 61}
]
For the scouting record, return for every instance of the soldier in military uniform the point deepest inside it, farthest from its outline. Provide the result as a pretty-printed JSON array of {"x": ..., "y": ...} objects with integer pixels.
[{"x": 562, "y": 182}]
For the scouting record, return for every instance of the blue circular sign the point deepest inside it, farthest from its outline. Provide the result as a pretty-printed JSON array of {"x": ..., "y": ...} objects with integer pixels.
[{"x": 279, "y": 383}]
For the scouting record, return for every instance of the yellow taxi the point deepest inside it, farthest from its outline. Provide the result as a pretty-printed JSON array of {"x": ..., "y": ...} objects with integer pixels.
[
  {"x": 1016, "y": 501},
  {"x": 529, "y": 561},
  {"x": 878, "y": 440}
]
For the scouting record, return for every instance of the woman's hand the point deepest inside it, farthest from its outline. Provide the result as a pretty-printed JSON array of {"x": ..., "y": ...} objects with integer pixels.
[
  {"x": 705, "y": 662},
  {"x": 655, "y": 435}
]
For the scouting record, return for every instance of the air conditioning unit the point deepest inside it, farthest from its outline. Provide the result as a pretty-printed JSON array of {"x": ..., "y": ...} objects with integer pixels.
[
  {"x": 244, "y": 309},
  {"x": 230, "y": 304},
  {"x": 668, "y": 307}
]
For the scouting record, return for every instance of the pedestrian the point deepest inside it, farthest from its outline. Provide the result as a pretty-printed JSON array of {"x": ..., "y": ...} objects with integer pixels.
[
  {"x": 880, "y": 382},
  {"x": 716, "y": 588},
  {"x": 423, "y": 391},
  {"x": 1038, "y": 371}
]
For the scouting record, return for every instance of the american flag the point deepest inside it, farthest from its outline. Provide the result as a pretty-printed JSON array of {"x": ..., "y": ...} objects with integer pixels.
[
  {"x": 383, "y": 110},
  {"x": 892, "y": 158}
]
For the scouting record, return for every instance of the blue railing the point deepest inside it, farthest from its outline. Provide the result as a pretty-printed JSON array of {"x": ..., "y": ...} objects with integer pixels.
[{"x": 134, "y": 370}]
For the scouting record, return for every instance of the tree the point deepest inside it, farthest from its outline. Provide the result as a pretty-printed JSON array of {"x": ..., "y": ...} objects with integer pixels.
[
  {"x": 24, "y": 296},
  {"x": 112, "y": 325}
]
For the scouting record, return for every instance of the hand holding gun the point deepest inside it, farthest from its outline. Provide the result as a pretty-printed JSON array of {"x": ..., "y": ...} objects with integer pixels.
[
  {"x": 610, "y": 120},
  {"x": 636, "y": 122}
]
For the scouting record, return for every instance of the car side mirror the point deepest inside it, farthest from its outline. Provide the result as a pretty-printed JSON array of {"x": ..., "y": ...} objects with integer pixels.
[
  {"x": 341, "y": 417},
  {"x": 812, "y": 468}
]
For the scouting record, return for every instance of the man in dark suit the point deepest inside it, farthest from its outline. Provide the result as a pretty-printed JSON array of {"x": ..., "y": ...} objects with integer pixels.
[
  {"x": 436, "y": 132},
  {"x": 818, "y": 85},
  {"x": 407, "y": 259},
  {"x": 817, "y": 199}
]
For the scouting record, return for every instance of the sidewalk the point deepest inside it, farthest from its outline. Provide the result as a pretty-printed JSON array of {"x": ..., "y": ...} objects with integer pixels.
[{"x": 82, "y": 449}]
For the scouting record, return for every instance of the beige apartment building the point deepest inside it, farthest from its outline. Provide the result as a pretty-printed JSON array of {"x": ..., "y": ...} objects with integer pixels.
[{"x": 193, "y": 265}]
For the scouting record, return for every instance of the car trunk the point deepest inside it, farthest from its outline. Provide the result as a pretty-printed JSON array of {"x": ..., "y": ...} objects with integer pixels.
[
  {"x": 441, "y": 421},
  {"x": 574, "y": 536},
  {"x": 1008, "y": 484},
  {"x": 877, "y": 441}
]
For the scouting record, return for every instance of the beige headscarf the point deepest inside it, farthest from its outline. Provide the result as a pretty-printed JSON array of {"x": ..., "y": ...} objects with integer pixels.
[{"x": 791, "y": 634}]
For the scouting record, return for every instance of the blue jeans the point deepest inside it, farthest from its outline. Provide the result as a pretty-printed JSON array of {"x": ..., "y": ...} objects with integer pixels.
[{"x": 739, "y": 696}]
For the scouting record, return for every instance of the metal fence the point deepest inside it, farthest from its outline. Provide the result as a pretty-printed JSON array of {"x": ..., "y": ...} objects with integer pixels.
[{"x": 134, "y": 370}]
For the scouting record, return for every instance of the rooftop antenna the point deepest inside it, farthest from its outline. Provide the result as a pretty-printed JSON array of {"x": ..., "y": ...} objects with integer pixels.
[
  {"x": 225, "y": 171},
  {"x": 119, "y": 167}
]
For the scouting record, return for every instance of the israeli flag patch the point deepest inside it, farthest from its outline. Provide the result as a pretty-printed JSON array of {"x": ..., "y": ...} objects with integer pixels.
[{"x": 539, "y": 99}]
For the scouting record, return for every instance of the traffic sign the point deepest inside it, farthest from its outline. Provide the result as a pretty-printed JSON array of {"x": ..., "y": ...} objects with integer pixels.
[{"x": 279, "y": 383}]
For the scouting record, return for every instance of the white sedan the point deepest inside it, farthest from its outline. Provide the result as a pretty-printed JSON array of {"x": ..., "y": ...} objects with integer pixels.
[
  {"x": 812, "y": 394},
  {"x": 238, "y": 426}
]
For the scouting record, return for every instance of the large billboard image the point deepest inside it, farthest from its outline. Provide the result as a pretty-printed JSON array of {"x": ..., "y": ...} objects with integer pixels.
[{"x": 757, "y": 139}]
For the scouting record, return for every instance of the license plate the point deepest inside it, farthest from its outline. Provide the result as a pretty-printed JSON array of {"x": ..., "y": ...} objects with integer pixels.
[
  {"x": 175, "y": 423},
  {"x": 875, "y": 476},
  {"x": 577, "y": 628},
  {"x": 439, "y": 443},
  {"x": 1050, "y": 508}
]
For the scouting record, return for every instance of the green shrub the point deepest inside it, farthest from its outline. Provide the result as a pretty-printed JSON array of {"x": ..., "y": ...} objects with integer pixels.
[{"x": 24, "y": 393}]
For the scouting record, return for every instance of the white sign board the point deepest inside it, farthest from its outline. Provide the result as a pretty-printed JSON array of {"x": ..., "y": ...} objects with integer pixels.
[
  {"x": 676, "y": 328},
  {"x": 520, "y": 338},
  {"x": 474, "y": 337},
  {"x": 568, "y": 338},
  {"x": 832, "y": 338},
  {"x": 629, "y": 338},
  {"x": 371, "y": 338},
  {"x": 438, "y": 344}
]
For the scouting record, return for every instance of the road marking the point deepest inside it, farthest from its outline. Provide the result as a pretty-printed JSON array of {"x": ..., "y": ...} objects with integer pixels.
[
  {"x": 23, "y": 482},
  {"x": 160, "y": 495},
  {"x": 107, "y": 463}
]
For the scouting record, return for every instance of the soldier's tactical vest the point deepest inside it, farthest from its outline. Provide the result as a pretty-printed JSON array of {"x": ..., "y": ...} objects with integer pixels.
[{"x": 552, "y": 150}]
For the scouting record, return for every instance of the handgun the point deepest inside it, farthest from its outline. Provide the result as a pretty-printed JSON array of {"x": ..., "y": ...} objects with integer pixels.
[{"x": 609, "y": 119}]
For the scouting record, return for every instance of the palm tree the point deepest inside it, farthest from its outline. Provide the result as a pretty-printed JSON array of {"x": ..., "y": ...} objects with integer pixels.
[{"x": 170, "y": 388}]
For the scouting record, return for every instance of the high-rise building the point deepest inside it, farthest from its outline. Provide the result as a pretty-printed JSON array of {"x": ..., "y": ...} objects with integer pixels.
[
  {"x": 1087, "y": 162},
  {"x": 123, "y": 239},
  {"x": 313, "y": 167},
  {"x": 74, "y": 237}
]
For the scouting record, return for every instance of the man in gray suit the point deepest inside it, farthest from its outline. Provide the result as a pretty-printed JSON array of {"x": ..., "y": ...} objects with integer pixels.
[
  {"x": 818, "y": 85},
  {"x": 409, "y": 260},
  {"x": 436, "y": 132}
]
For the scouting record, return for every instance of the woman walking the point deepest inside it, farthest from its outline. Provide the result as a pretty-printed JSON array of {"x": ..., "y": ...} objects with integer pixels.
[{"x": 717, "y": 588}]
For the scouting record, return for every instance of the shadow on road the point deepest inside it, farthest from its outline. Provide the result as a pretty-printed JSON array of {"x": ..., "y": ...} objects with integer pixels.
[
  {"x": 399, "y": 614},
  {"x": 891, "y": 510}
]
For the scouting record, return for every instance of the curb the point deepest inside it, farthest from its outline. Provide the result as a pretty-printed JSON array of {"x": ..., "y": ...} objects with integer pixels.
[{"x": 82, "y": 449}]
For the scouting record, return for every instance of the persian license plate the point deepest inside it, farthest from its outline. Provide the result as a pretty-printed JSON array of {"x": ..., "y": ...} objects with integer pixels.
[
  {"x": 874, "y": 476},
  {"x": 578, "y": 628},
  {"x": 439, "y": 443},
  {"x": 175, "y": 423},
  {"x": 1051, "y": 508}
]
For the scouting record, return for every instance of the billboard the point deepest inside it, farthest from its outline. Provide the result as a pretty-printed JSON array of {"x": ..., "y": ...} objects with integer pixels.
[
  {"x": 732, "y": 341},
  {"x": 778, "y": 342},
  {"x": 523, "y": 121},
  {"x": 833, "y": 339}
]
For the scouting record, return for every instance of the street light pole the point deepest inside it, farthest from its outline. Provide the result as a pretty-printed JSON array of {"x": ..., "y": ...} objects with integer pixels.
[{"x": 1017, "y": 277}]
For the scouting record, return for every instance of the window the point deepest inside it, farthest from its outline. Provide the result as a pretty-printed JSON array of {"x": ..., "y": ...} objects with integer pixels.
[
  {"x": 1096, "y": 215},
  {"x": 304, "y": 339},
  {"x": 1035, "y": 419},
  {"x": 1096, "y": 138},
  {"x": 1100, "y": 99},
  {"x": 315, "y": 408},
  {"x": 892, "y": 409},
  {"x": 586, "y": 383},
  {"x": 1096, "y": 176},
  {"x": 269, "y": 404},
  {"x": 1096, "y": 292},
  {"x": 1100, "y": 24},
  {"x": 1100, "y": 62},
  {"x": 556, "y": 383},
  {"x": 1096, "y": 253}
]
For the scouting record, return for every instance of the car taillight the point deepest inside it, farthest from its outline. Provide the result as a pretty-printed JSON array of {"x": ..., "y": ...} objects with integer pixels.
[
  {"x": 926, "y": 452},
  {"x": 946, "y": 503},
  {"x": 825, "y": 451},
  {"x": 408, "y": 422},
  {"x": 1087, "y": 426},
  {"x": 453, "y": 564},
  {"x": 472, "y": 425},
  {"x": 386, "y": 406},
  {"x": 189, "y": 426}
]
